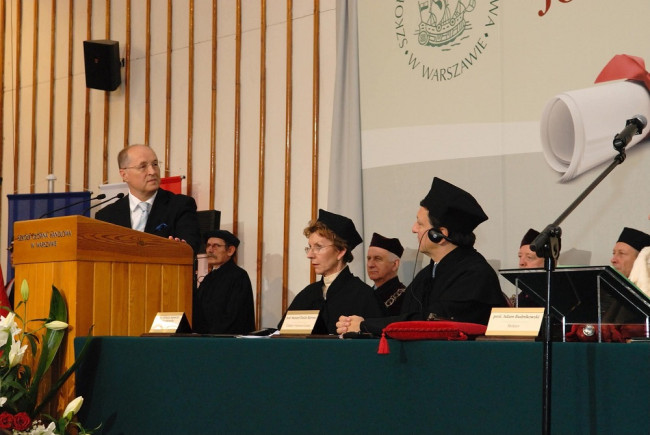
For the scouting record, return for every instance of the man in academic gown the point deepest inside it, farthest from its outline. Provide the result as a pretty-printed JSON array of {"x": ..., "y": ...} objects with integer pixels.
[
  {"x": 458, "y": 284},
  {"x": 168, "y": 215},
  {"x": 382, "y": 264},
  {"x": 331, "y": 239},
  {"x": 223, "y": 303}
]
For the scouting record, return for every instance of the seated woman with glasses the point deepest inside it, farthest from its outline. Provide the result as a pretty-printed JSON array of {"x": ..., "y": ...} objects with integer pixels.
[{"x": 331, "y": 239}]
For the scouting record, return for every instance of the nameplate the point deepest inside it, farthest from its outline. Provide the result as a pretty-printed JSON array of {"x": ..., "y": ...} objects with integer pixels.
[
  {"x": 299, "y": 322},
  {"x": 518, "y": 322},
  {"x": 170, "y": 323}
]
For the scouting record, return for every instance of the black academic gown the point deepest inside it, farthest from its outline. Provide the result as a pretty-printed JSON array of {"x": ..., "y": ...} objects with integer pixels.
[
  {"x": 171, "y": 215},
  {"x": 347, "y": 295},
  {"x": 223, "y": 303},
  {"x": 390, "y": 296},
  {"x": 464, "y": 289}
]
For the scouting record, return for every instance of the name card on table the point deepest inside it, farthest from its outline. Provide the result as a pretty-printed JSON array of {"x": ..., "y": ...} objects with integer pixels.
[
  {"x": 170, "y": 323},
  {"x": 299, "y": 322},
  {"x": 516, "y": 322}
]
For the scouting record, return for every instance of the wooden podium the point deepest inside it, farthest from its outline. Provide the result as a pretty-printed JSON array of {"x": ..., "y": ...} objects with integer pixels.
[{"x": 112, "y": 277}]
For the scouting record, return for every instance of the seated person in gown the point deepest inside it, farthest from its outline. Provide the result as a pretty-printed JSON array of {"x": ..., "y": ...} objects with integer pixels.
[
  {"x": 331, "y": 239},
  {"x": 458, "y": 284},
  {"x": 528, "y": 259},
  {"x": 382, "y": 264},
  {"x": 223, "y": 303}
]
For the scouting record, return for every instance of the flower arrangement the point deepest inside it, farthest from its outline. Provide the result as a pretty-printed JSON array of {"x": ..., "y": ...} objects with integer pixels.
[{"x": 20, "y": 408}]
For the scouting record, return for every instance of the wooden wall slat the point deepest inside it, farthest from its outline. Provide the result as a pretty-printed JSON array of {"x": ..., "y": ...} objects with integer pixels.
[
  {"x": 3, "y": 36},
  {"x": 147, "y": 75},
  {"x": 86, "y": 166},
  {"x": 287, "y": 156},
  {"x": 68, "y": 109},
  {"x": 32, "y": 168},
  {"x": 107, "y": 100},
  {"x": 213, "y": 109},
  {"x": 168, "y": 88},
  {"x": 262, "y": 168},
  {"x": 190, "y": 98},
  {"x": 315, "y": 118},
  {"x": 127, "y": 76},
  {"x": 237, "y": 126},
  {"x": 52, "y": 120},
  {"x": 19, "y": 33}
]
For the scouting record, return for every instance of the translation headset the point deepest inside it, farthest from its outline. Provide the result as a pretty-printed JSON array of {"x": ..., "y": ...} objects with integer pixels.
[{"x": 436, "y": 236}]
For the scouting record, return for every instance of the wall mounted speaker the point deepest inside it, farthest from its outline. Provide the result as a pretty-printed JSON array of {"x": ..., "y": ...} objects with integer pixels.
[{"x": 102, "y": 61}]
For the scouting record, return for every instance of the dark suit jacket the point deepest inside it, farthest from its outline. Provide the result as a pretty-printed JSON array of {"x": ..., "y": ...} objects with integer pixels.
[{"x": 171, "y": 215}]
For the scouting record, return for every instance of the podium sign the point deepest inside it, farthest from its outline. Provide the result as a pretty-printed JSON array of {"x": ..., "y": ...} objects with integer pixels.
[{"x": 584, "y": 295}]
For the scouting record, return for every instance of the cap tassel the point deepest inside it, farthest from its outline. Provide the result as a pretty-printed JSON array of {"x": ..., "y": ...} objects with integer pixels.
[{"x": 383, "y": 345}]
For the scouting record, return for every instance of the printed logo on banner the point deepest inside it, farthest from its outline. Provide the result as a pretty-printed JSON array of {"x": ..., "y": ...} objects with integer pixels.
[{"x": 441, "y": 39}]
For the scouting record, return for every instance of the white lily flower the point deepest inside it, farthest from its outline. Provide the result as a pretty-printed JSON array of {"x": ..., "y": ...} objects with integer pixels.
[
  {"x": 3, "y": 400},
  {"x": 16, "y": 353},
  {"x": 73, "y": 407},
  {"x": 4, "y": 337},
  {"x": 56, "y": 325}
]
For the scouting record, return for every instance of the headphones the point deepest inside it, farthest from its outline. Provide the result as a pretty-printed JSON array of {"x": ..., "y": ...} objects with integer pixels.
[{"x": 436, "y": 236}]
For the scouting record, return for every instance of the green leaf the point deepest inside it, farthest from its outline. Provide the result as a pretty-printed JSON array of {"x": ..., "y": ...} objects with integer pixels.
[
  {"x": 64, "y": 377},
  {"x": 51, "y": 344}
]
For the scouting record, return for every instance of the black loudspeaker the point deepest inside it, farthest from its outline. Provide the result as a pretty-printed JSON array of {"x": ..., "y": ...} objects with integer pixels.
[{"x": 102, "y": 60}]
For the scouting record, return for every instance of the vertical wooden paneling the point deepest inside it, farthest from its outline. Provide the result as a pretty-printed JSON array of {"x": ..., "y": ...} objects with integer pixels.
[
  {"x": 50, "y": 136},
  {"x": 213, "y": 108},
  {"x": 147, "y": 75},
  {"x": 82, "y": 310},
  {"x": 153, "y": 295},
  {"x": 169, "y": 288},
  {"x": 102, "y": 290},
  {"x": 190, "y": 98},
  {"x": 127, "y": 76},
  {"x": 86, "y": 166},
  {"x": 287, "y": 156},
  {"x": 68, "y": 108},
  {"x": 239, "y": 106},
  {"x": 19, "y": 33},
  {"x": 3, "y": 39},
  {"x": 107, "y": 100},
  {"x": 315, "y": 118},
  {"x": 168, "y": 89},
  {"x": 261, "y": 185},
  {"x": 237, "y": 126},
  {"x": 138, "y": 274},
  {"x": 32, "y": 169}
]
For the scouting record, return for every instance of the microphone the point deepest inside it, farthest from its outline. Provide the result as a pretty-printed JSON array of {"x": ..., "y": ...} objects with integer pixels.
[
  {"x": 633, "y": 127},
  {"x": 100, "y": 196},
  {"x": 118, "y": 196}
]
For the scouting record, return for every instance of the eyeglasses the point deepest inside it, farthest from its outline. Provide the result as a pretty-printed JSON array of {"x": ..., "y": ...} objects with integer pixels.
[
  {"x": 143, "y": 166},
  {"x": 315, "y": 249}
]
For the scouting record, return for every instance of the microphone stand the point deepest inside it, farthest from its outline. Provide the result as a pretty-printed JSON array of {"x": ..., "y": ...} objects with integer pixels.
[{"x": 547, "y": 245}]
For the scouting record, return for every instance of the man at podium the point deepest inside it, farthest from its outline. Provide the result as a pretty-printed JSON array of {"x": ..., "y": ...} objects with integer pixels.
[{"x": 147, "y": 207}]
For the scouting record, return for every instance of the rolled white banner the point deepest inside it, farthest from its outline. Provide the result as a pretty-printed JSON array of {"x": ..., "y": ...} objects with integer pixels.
[{"x": 578, "y": 127}]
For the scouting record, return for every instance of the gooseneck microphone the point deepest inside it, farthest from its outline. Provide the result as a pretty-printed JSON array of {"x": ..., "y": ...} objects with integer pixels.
[
  {"x": 633, "y": 127},
  {"x": 48, "y": 213},
  {"x": 118, "y": 196}
]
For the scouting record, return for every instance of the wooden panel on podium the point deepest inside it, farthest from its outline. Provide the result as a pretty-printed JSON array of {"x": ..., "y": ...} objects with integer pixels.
[{"x": 112, "y": 277}]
